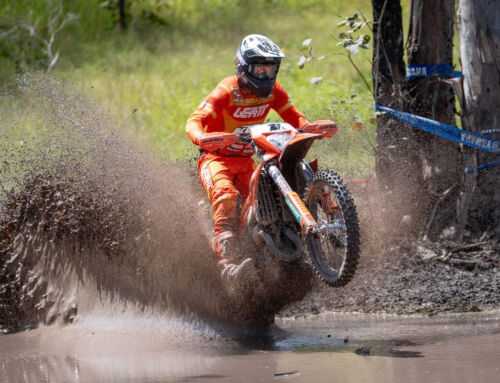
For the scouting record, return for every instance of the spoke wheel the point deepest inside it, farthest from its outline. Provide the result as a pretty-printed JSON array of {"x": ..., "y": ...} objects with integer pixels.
[{"x": 334, "y": 251}]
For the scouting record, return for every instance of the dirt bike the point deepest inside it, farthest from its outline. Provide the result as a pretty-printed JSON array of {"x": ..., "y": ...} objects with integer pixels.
[{"x": 291, "y": 203}]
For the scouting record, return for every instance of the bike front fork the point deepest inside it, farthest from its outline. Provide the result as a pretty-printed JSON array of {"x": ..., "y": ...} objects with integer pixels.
[{"x": 292, "y": 199}]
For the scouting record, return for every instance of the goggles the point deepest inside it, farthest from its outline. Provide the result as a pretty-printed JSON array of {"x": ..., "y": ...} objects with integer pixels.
[{"x": 266, "y": 71}]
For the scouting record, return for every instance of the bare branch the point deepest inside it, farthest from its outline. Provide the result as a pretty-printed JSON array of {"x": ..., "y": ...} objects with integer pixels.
[
  {"x": 56, "y": 22},
  {"x": 441, "y": 198},
  {"x": 9, "y": 32},
  {"x": 53, "y": 62},
  {"x": 68, "y": 18},
  {"x": 367, "y": 22},
  {"x": 361, "y": 74},
  {"x": 377, "y": 49}
]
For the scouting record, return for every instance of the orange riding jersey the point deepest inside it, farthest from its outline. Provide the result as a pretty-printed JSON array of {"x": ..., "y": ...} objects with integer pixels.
[{"x": 228, "y": 108}]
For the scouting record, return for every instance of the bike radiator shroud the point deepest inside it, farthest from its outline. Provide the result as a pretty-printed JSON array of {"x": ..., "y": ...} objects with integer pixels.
[
  {"x": 268, "y": 211},
  {"x": 271, "y": 205}
]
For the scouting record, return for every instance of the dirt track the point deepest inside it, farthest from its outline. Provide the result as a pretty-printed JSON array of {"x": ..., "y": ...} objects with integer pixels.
[
  {"x": 411, "y": 280},
  {"x": 407, "y": 276}
]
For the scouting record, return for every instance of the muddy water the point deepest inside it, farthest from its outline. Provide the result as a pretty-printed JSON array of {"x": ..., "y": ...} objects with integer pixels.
[{"x": 323, "y": 348}]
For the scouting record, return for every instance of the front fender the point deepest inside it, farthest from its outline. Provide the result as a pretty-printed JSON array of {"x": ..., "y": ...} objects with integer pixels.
[
  {"x": 292, "y": 156},
  {"x": 297, "y": 148}
]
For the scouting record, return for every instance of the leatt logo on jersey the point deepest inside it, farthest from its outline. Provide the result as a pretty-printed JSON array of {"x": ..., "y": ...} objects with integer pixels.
[{"x": 251, "y": 111}]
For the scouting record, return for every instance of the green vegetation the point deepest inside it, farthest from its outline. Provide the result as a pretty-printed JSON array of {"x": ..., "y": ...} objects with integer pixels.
[{"x": 153, "y": 75}]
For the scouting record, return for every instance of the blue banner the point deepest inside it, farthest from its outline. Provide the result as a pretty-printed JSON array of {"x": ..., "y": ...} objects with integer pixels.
[
  {"x": 484, "y": 166},
  {"x": 460, "y": 136},
  {"x": 421, "y": 71},
  {"x": 487, "y": 131}
]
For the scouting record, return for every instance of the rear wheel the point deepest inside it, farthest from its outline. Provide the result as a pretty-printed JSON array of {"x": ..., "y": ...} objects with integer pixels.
[{"x": 334, "y": 249}]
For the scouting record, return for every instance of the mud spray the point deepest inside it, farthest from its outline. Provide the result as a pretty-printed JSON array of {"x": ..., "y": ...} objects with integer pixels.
[{"x": 90, "y": 221}]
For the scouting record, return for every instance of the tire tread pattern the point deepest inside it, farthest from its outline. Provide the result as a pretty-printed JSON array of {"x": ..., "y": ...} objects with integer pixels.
[{"x": 350, "y": 214}]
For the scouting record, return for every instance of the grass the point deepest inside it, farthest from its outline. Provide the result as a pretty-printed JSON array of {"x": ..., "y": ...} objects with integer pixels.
[{"x": 151, "y": 77}]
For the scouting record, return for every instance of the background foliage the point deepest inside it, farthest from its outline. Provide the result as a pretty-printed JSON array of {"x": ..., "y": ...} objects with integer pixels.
[{"x": 151, "y": 76}]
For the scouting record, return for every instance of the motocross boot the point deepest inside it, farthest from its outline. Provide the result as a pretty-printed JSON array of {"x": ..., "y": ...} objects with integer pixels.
[{"x": 232, "y": 271}]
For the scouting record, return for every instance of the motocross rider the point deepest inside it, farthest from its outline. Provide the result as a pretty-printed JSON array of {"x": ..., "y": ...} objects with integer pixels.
[{"x": 226, "y": 165}]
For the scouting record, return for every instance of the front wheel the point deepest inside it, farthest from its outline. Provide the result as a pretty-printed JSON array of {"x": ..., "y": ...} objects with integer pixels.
[{"x": 334, "y": 248}]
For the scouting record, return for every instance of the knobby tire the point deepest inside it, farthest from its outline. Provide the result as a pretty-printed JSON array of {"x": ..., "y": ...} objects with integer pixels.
[{"x": 335, "y": 277}]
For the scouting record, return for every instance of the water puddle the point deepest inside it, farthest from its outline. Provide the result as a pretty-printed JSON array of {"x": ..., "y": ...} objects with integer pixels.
[{"x": 323, "y": 348}]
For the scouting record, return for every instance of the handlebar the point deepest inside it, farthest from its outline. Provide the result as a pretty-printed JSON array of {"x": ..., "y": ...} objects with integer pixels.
[{"x": 326, "y": 128}]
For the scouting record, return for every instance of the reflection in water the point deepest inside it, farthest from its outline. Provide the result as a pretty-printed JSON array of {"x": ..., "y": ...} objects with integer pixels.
[
  {"x": 454, "y": 349},
  {"x": 39, "y": 368},
  {"x": 94, "y": 357}
]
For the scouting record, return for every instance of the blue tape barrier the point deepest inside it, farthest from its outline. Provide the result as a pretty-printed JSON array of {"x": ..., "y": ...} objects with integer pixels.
[
  {"x": 421, "y": 71},
  {"x": 489, "y": 131},
  {"x": 449, "y": 132},
  {"x": 484, "y": 166}
]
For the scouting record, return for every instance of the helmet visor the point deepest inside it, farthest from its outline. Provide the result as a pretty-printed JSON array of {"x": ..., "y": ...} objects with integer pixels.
[{"x": 267, "y": 71}]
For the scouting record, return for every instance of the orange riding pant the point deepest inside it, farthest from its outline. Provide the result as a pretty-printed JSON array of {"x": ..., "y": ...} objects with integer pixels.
[{"x": 226, "y": 180}]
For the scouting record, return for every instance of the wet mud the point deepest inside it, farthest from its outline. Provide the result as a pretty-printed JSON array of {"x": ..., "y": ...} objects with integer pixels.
[{"x": 399, "y": 275}]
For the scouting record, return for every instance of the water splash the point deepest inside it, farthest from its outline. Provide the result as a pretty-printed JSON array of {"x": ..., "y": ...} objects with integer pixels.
[{"x": 91, "y": 217}]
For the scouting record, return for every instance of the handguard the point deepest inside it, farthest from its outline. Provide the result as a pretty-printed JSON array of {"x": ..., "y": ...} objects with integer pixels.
[
  {"x": 214, "y": 141},
  {"x": 326, "y": 128}
]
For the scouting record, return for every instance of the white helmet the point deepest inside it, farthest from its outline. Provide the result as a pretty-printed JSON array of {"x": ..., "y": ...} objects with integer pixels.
[{"x": 257, "y": 64}]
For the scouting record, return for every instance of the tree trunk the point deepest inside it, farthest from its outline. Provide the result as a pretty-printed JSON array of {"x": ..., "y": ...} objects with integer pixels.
[
  {"x": 122, "y": 13},
  {"x": 479, "y": 31},
  {"x": 438, "y": 169},
  {"x": 391, "y": 162}
]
